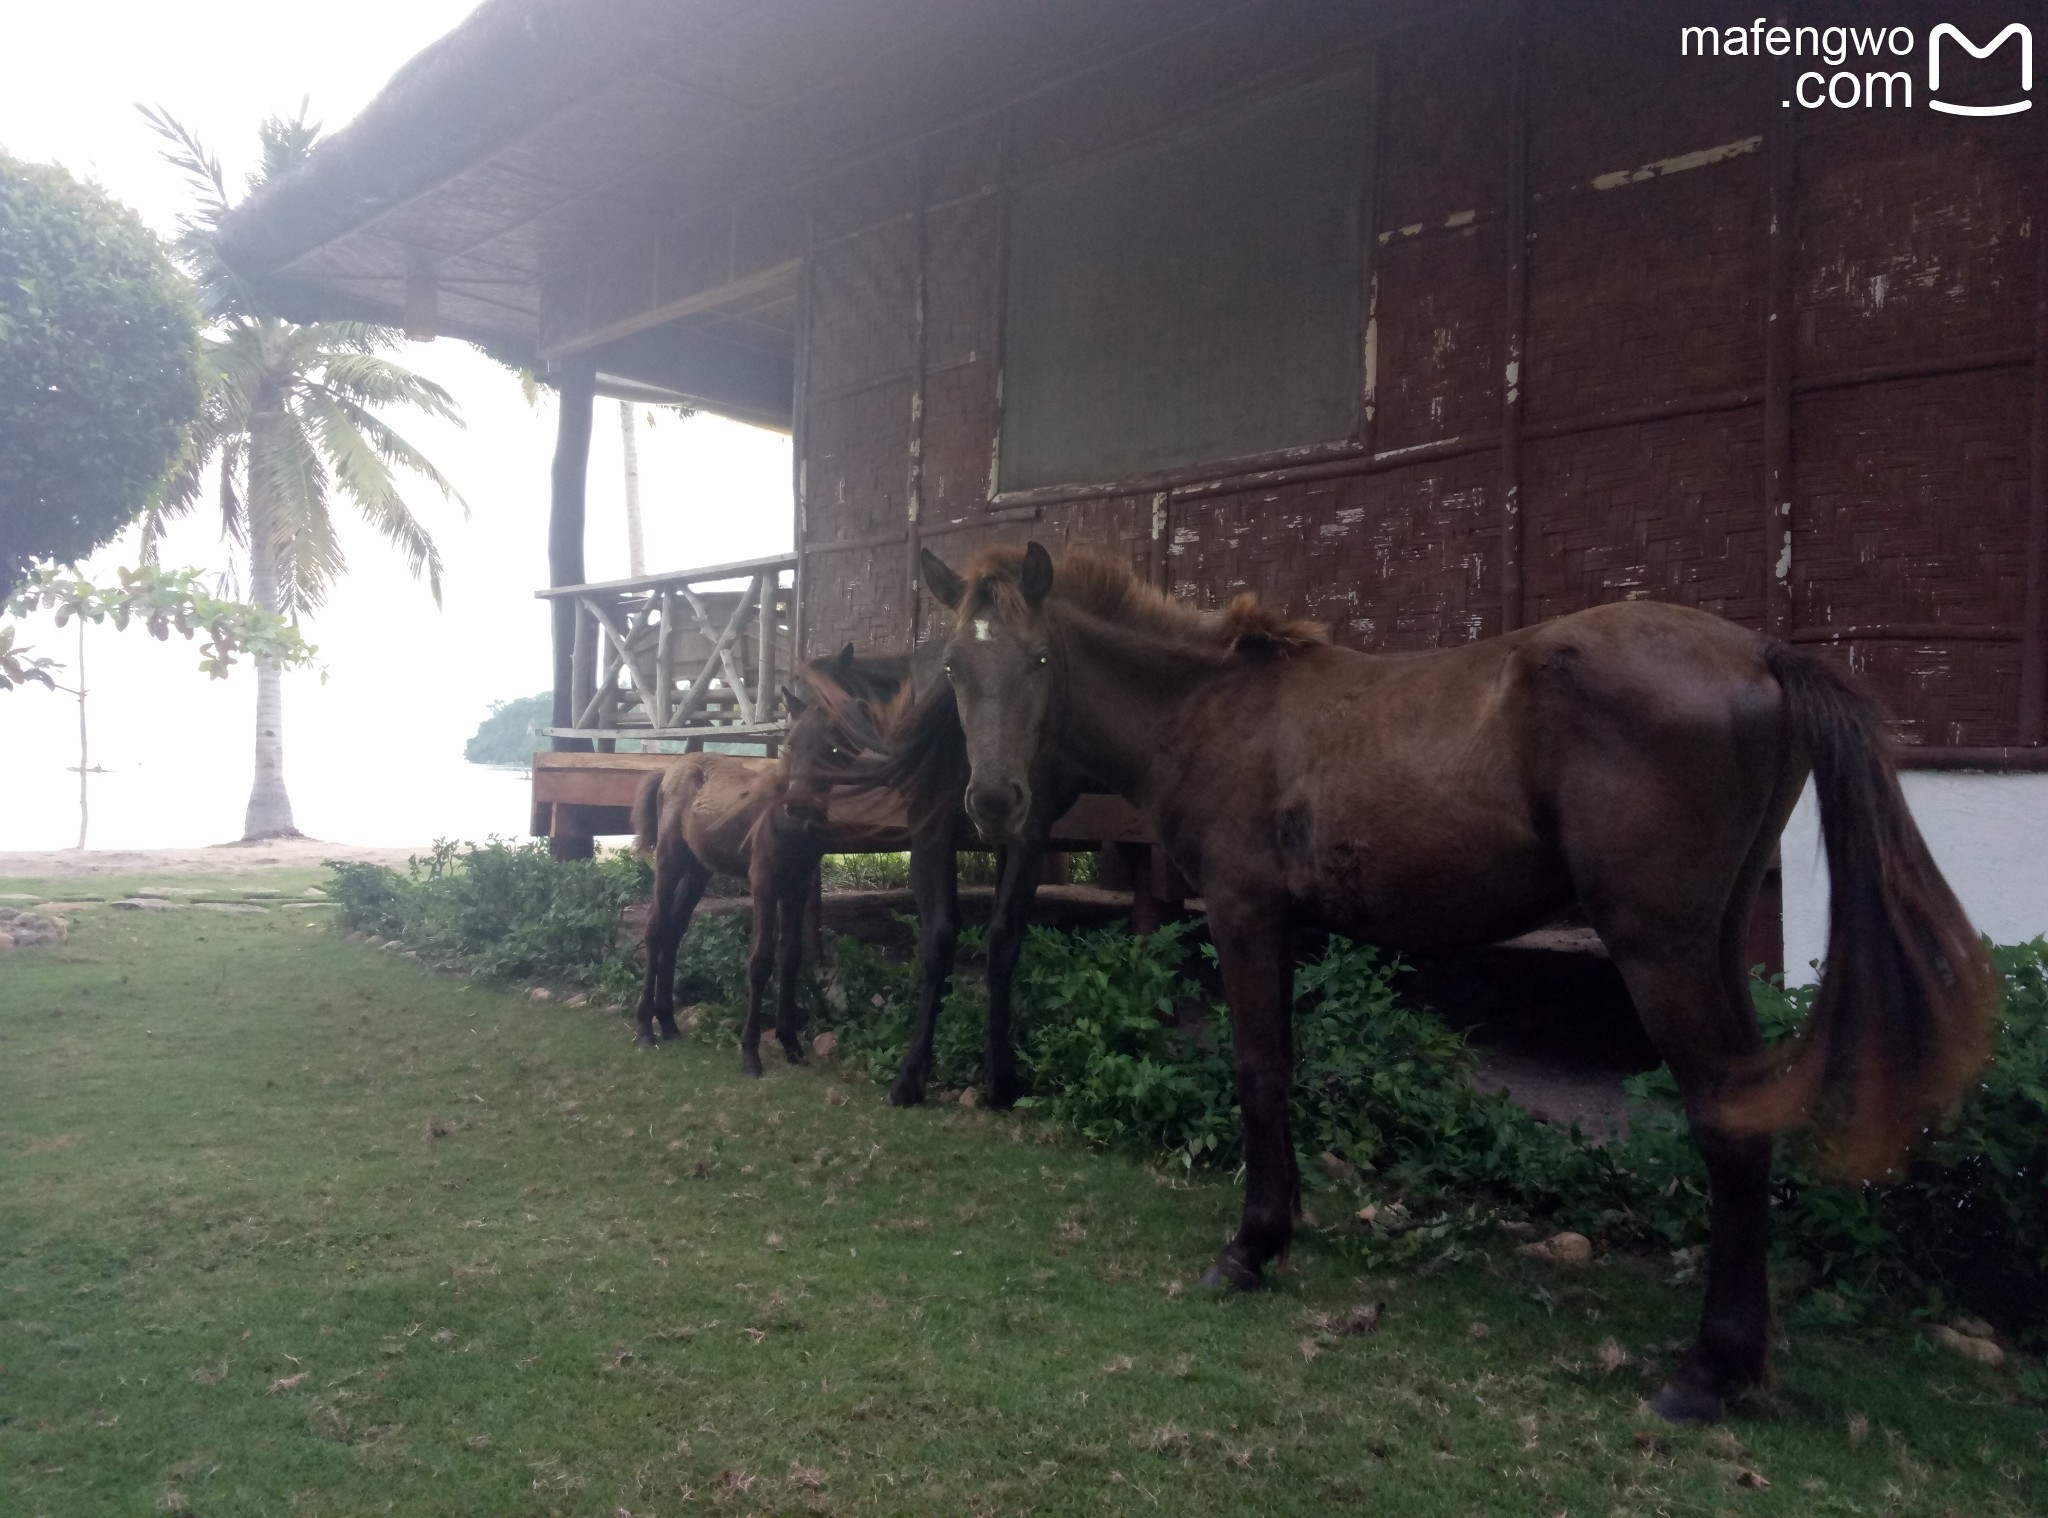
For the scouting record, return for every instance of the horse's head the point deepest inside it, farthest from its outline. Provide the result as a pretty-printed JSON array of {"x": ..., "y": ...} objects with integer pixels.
[
  {"x": 999, "y": 661},
  {"x": 828, "y": 731}
]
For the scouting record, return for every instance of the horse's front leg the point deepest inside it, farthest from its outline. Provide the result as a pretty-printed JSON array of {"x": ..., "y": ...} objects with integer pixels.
[
  {"x": 1258, "y": 984},
  {"x": 794, "y": 888},
  {"x": 935, "y": 881},
  {"x": 1023, "y": 861},
  {"x": 760, "y": 962}
]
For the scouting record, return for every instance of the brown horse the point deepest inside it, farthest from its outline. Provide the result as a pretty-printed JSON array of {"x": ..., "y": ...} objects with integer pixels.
[
  {"x": 1638, "y": 760},
  {"x": 918, "y": 755},
  {"x": 764, "y": 819}
]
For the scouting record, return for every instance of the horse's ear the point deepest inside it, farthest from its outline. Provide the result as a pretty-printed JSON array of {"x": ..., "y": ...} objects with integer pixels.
[
  {"x": 1036, "y": 579},
  {"x": 841, "y": 667},
  {"x": 942, "y": 582},
  {"x": 793, "y": 700}
]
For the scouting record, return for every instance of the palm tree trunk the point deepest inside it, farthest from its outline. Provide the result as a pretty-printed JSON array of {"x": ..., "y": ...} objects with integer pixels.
[
  {"x": 636, "y": 545},
  {"x": 270, "y": 809}
]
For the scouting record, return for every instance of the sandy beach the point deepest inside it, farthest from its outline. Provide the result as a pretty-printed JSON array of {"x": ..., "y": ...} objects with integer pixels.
[{"x": 225, "y": 859}]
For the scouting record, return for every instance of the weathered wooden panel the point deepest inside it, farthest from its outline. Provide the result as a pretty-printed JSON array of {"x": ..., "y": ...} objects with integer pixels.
[
  {"x": 1961, "y": 695},
  {"x": 1445, "y": 125},
  {"x": 960, "y": 418},
  {"x": 1911, "y": 503},
  {"x": 858, "y": 477},
  {"x": 1914, "y": 241},
  {"x": 1439, "y": 327},
  {"x": 1608, "y": 91},
  {"x": 859, "y": 596},
  {"x": 963, "y": 256},
  {"x": 1648, "y": 292},
  {"x": 1396, "y": 561},
  {"x": 1666, "y": 511},
  {"x": 862, "y": 307}
]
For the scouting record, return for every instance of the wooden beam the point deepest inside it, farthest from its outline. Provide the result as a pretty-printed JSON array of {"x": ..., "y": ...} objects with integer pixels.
[
  {"x": 1778, "y": 361},
  {"x": 577, "y": 390}
]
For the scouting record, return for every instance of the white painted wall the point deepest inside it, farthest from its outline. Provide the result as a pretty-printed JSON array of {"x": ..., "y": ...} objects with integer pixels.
[{"x": 1989, "y": 834}]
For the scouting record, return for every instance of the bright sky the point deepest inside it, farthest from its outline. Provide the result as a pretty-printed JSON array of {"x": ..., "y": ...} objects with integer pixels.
[{"x": 405, "y": 683}]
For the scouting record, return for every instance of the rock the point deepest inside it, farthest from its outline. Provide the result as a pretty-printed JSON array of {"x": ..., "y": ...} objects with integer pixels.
[
  {"x": 142, "y": 904},
  {"x": 823, "y": 1045},
  {"x": 1336, "y": 1167},
  {"x": 540, "y": 993},
  {"x": 312, "y": 891},
  {"x": 24, "y": 938},
  {"x": 8, "y": 914},
  {"x": 970, "y": 1098},
  {"x": 1976, "y": 1328},
  {"x": 690, "y": 1017},
  {"x": 578, "y": 1000},
  {"x": 6, "y": 942},
  {"x": 1970, "y": 1347},
  {"x": 1559, "y": 1249},
  {"x": 359, "y": 936}
]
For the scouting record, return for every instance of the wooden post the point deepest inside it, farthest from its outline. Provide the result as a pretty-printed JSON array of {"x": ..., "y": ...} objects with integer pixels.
[
  {"x": 1778, "y": 359},
  {"x": 1513, "y": 378},
  {"x": 2033, "y": 726},
  {"x": 765, "y": 695},
  {"x": 1137, "y": 859},
  {"x": 577, "y": 390}
]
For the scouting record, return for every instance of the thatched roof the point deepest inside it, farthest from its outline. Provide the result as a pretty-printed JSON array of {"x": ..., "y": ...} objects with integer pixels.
[{"x": 408, "y": 184}]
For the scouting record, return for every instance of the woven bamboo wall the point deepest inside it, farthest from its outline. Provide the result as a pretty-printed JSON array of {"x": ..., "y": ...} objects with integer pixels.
[{"x": 1642, "y": 440}]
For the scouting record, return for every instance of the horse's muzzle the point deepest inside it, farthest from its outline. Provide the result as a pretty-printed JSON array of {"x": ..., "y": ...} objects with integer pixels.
[
  {"x": 808, "y": 814},
  {"x": 998, "y": 809}
]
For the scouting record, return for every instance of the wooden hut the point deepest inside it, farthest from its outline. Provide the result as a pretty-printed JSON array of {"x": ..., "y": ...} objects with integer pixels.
[{"x": 1427, "y": 319}]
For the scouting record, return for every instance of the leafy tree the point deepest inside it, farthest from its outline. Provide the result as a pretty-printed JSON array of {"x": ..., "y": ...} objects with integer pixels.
[
  {"x": 98, "y": 380},
  {"x": 290, "y": 422},
  {"x": 162, "y": 601},
  {"x": 506, "y": 736}
]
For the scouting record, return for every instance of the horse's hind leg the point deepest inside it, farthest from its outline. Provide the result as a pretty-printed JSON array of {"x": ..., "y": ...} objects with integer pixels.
[
  {"x": 689, "y": 889},
  {"x": 1258, "y": 979},
  {"x": 760, "y": 962},
  {"x": 664, "y": 931},
  {"x": 935, "y": 881},
  {"x": 795, "y": 890}
]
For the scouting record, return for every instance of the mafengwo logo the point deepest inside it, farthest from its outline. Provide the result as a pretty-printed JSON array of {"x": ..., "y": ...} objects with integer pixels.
[{"x": 1882, "y": 63}]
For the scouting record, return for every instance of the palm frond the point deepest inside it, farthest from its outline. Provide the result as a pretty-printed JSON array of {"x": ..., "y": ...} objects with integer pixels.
[
  {"x": 362, "y": 469},
  {"x": 287, "y": 508}
]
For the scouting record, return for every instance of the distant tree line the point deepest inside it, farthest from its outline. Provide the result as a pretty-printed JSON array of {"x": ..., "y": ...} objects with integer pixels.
[{"x": 508, "y": 734}]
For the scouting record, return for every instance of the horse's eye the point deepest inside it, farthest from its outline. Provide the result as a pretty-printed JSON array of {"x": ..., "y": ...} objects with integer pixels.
[
  {"x": 949, "y": 669},
  {"x": 1041, "y": 661}
]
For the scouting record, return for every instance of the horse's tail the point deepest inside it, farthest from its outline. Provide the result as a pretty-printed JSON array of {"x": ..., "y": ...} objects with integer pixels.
[
  {"x": 647, "y": 810},
  {"x": 1901, "y": 1023}
]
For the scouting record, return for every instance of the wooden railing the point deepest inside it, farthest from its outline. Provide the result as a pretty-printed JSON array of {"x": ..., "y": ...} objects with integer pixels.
[{"x": 697, "y": 653}]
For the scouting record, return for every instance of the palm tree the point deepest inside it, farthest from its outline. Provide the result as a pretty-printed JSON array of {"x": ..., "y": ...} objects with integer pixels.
[{"x": 289, "y": 422}]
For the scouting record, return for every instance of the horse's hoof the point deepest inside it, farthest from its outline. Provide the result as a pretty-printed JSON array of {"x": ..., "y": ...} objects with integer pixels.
[
  {"x": 644, "y": 1041},
  {"x": 906, "y": 1094},
  {"x": 750, "y": 1066},
  {"x": 1229, "y": 1274},
  {"x": 671, "y": 1034},
  {"x": 793, "y": 1052},
  {"x": 1679, "y": 1402}
]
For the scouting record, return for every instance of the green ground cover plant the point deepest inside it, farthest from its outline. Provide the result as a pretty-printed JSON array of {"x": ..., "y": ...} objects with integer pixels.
[{"x": 292, "y": 1224}]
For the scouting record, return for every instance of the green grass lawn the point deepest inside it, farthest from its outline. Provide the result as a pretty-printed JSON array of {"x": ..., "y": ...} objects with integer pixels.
[{"x": 291, "y": 1225}]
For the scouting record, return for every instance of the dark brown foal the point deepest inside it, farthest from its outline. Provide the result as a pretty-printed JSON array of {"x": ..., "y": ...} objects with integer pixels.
[
  {"x": 763, "y": 819},
  {"x": 1637, "y": 759}
]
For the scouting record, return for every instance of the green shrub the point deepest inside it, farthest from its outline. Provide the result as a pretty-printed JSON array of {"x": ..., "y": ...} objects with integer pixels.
[
  {"x": 501, "y": 909},
  {"x": 1119, "y": 1046}
]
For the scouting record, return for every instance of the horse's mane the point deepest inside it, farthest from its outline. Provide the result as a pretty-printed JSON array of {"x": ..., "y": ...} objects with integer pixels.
[{"x": 1108, "y": 589}]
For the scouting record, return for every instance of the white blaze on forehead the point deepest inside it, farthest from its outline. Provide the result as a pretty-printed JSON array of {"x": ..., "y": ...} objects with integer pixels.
[{"x": 981, "y": 629}]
